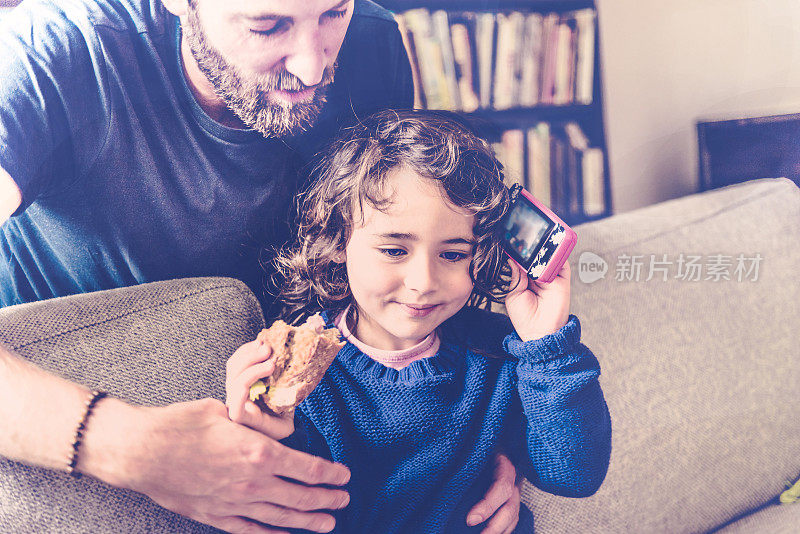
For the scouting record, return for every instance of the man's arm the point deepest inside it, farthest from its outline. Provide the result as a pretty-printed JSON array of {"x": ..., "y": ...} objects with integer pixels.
[
  {"x": 10, "y": 196},
  {"x": 187, "y": 457},
  {"x": 50, "y": 410}
]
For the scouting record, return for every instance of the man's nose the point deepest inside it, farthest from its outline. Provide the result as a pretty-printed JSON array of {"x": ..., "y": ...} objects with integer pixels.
[{"x": 308, "y": 59}]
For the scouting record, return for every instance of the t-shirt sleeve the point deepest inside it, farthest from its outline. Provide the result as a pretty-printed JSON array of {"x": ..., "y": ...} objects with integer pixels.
[
  {"x": 374, "y": 67},
  {"x": 404, "y": 82},
  {"x": 50, "y": 92}
]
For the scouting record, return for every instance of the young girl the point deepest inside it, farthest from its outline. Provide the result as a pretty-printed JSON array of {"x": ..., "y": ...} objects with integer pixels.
[{"x": 399, "y": 246}]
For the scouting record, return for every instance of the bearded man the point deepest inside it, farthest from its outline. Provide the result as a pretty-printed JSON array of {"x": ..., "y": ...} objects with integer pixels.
[{"x": 145, "y": 140}]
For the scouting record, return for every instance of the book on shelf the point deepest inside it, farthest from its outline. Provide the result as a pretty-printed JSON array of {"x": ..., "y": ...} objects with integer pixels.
[
  {"x": 431, "y": 71},
  {"x": 594, "y": 202},
  {"x": 501, "y": 60},
  {"x": 558, "y": 165},
  {"x": 590, "y": 187},
  {"x": 513, "y": 142},
  {"x": 411, "y": 47},
  {"x": 549, "y": 44},
  {"x": 531, "y": 60},
  {"x": 584, "y": 69},
  {"x": 508, "y": 60},
  {"x": 564, "y": 78},
  {"x": 558, "y": 175},
  {"x": 441, "y": 39},
  {"x": 484, "y": 51},
  {"x": 539, "y": 161},
  {"x": 573, "y": 168},
  {"x": 462, "y": 35}
]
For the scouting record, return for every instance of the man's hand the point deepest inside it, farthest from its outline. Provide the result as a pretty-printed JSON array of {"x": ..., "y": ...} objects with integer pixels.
[
  {"x": 500, "y": 506},
  {"x": 191, "y": 459}
]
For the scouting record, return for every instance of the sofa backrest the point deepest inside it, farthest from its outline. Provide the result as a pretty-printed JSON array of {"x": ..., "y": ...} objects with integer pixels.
[
  {"x": 165, "y": 342},
  {"x": 700, "y": 376}
]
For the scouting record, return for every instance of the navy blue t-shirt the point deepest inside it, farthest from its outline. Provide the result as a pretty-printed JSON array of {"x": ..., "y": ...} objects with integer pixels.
[{"x": 124, "y": 178}]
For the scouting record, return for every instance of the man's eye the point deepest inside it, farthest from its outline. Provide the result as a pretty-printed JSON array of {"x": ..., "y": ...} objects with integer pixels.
[
  {"x": 393, "y": 252},
  {"x": 454, "y": 256},
  {"x": 276, "y": 27}
]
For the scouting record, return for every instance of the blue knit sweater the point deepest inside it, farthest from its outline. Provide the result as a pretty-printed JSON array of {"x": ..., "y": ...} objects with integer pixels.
[{"x": 420, "y": 441}]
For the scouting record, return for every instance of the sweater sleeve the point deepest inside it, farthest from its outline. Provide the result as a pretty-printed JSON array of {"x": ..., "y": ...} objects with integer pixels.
[{"x": 567, "y": 424}]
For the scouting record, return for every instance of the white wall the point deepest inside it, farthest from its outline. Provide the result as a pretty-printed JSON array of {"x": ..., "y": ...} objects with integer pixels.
[{"x": 667, "y": 63}]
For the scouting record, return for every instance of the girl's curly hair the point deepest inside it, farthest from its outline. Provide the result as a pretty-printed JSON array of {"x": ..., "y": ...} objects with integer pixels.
[{"x": 353, "y": 170}]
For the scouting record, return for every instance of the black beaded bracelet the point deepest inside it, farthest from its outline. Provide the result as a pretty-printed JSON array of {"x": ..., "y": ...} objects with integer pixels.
[{"x": 91, "y": 402}]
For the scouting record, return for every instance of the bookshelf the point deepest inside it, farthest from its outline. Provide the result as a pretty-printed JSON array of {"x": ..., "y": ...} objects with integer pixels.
[{"x": 527, "y": 74}]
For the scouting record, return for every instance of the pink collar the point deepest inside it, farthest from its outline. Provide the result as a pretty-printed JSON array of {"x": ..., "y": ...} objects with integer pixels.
[{"x": 396, "y": 359}]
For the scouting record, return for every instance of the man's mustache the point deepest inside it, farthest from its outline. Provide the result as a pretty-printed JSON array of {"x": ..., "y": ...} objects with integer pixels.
[{"x": 284, "y": 80}]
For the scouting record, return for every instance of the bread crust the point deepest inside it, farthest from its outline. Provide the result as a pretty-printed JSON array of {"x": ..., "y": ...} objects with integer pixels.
[{"x": 302, "y": 355}]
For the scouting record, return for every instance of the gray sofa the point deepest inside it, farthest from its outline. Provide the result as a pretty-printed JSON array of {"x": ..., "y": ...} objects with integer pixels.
[{"x": 700, "y": 375}]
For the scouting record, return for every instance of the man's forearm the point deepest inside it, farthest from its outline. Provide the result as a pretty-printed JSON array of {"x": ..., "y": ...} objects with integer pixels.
[
  {"x": 187, "y": 457},
  {"x": 39, "y": 413}
]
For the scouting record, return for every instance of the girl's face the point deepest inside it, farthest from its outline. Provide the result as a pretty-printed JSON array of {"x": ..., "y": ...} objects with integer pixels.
[{"x": 408, "y": 266}]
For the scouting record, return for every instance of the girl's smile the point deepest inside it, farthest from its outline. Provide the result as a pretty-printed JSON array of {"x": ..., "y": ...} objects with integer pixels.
[
  {"x": 408, "y": 265},
  {"x": 418, "y": 310}
]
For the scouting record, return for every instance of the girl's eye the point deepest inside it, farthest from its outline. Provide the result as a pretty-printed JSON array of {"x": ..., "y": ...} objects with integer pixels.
[
  {"x": 454, "y": 256},
  {"x": 336, "y": 14},
  {"x": 393, "y": 252}
]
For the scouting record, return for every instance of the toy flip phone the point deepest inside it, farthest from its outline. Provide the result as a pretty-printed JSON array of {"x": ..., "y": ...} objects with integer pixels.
[{"x": 534, "y": 237}]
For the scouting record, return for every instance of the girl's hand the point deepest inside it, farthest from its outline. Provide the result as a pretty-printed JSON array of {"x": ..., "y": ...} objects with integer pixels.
[
  {"x": 251, "y": 362},
  {"x": 538, "y": 309}
]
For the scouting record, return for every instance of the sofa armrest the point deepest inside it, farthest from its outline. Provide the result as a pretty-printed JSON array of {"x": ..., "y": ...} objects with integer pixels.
[{"x": 151, "y": 344}]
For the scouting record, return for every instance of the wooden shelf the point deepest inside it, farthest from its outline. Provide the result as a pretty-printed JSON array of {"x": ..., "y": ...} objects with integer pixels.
[
  {"x": 488, "y": 5},
  {"x": 523, "y": 116},
  {"x": 492, "y": 122}
]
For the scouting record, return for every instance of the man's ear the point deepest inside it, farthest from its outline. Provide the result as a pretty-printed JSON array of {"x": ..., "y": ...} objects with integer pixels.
[{"x": 178, "y": 8}]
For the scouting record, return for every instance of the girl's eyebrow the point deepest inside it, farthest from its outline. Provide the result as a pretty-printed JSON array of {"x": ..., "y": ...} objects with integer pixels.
[{"x": 412, "y": 237}]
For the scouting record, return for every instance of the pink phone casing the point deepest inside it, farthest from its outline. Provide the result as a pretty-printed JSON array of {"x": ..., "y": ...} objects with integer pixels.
[{"x": 556, "y": 249}]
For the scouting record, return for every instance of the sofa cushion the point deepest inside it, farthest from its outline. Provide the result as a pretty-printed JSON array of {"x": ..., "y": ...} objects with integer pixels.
[
  {"x": 165, "y": 342},
  {"x": 774, "y": 519},
  {"x": 699, "y": 376}
]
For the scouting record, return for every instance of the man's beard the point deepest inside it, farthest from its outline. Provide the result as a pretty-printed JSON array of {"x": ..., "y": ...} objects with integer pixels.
[{"x": 248, "y": 96}]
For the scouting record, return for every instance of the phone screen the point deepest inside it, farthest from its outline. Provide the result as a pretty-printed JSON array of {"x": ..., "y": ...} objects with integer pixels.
[{"x": 525, "y": 229}]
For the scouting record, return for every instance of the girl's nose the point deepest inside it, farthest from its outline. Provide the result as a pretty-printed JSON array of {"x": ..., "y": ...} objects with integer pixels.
[{"x": 420, "y": 275}]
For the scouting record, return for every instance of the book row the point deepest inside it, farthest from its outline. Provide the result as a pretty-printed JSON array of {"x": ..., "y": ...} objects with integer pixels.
[
  {"x": 464, "y": 61},
  {"x": 556, "y": 164}
]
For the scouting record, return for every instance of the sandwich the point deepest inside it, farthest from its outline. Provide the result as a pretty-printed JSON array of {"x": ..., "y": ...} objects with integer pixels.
[{"x": 302, "y": 355}]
